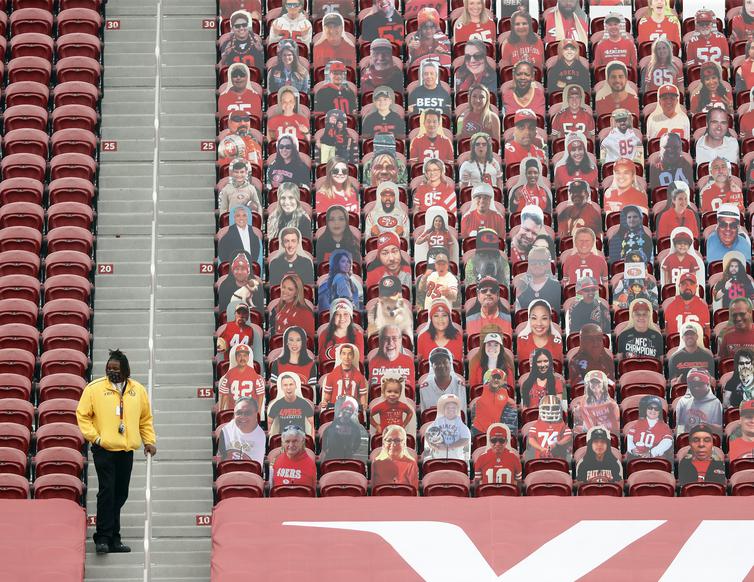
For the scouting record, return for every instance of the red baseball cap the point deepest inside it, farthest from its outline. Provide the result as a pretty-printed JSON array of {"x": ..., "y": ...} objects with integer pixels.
[
  {"x": 524, "y": 115},
  {"x": 498, "y": 431},
  {"x": 668, "y": 89},
  {"x": 747, "y": 406},
  {"x": 698, "y": 375}
]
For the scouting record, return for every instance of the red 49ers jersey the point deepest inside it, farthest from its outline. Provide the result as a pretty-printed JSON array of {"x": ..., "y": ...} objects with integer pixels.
[
  {"x": 498, "y": 469},
  {"x": 566, "y": 122},
  {"x": 423, "y": 148},
  {"x": 287, "y": 125},
  {"x": 675, "y": 266},
  {"x": 475, "y": 30},
  {"x": 547, "y": 435},
  {"x": 646, "y": 437},
  {"x": 247, "y": 100},
  {"x": 338, "y": 384},
  {"x": 713, "y": 196},
  {"x": 679, "y": 312},
  {"x": 240, "y": 383},
  {"x": 649, "y": 30},
  {"x": 701, "y": 49},
  {"x": 576, "y": 267},
  {"x": 234, "y": 334},
  {"x": 425, "y": 196},
  {"x": 623, "y": 50}
]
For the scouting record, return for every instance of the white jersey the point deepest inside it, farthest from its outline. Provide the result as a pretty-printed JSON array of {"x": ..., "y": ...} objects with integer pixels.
[
  {"x": 622, "y": 145},
  {"x": 728, "y": 151},
  {"x": 429, "y": 393},
  {"x": 659, "y": 125},
  {"x": 299, "y": 29},
  {"x": 435, "y": 285}
]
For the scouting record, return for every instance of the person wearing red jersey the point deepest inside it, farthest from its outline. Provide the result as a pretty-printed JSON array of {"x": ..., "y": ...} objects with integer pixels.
[
  {"x": 480, "y": 115},
  {"x": 428, "y": 41},
  {"x": 522, "y": 43},
  {"x": 524, "y": 140},
  {"x": 435, "y": 190},
  {"x": 292, "y": 308},
  {"x": 661, "y": 21},
  {"x": 495, "y": 404},
  {"x": 527, "y": 93},
  {"x": 440, "y": 333},
  {"x": 623, "y": 190},
  {"x": 240, "y": 380},
  {"x": 532, "y": 225},
  {"x": 686, "y": 306},
  {"x": 549, "y": 437},
  {"x": 393, "y": 408},
  {"x": 683, "y": 258},
  {"x": 722, "y": 188},
  {"x": 238, "y": 141},
  {"x": 235, "y": 332},
  {"x": 596, "y": 407},
  {"x": 293, "y": 465},
  {"x": 742, "y": 447},
  {"x": 500, "y": 462},
  {"x": 566, "y": 21},
  {"x": 228, "y": 7},
  {"x": 587, "y": 261},
  {"x": 476, "y": 22},
  {"x": 285, "y": 119},
  {"x": 615, "y": 44},
  {"x": 239, "y": 94},
  {"x": 345, "y": 379},
  {"x": 484, "y": 213},
  {"x": 575, "y": 116},
  {"x": 706, "y": 43},
  {"x": 531, "y": 188},
  {"x": 433, "y": 140},
  {"x": 577, "y": 163},
  {"x": 649, "y": 437},
  {"x": 334, "y": 44},
  {"x": 618, "y": 94},
  {"x": 579, "y": 210},
  {"x": 677, "y": 213},
  {"x": 396, "y": 463},
  {"x": 742, "y": 24},
  {"x": 739, "y": 332},
  {"x": 391, "y": 358},
  {"x": 440, "y": 283}
]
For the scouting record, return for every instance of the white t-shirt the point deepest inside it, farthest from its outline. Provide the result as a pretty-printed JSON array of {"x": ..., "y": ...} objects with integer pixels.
[
  {"x": 728, "y": 150},
  {"x": 430, "y": 393},
  {"x": 241, "y": 445}
]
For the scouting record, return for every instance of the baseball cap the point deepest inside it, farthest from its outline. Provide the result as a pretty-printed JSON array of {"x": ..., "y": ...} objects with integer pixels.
[
  {"x": 641, "y": 303},
  {"x": 428, "y": 13},
  {"x": 493, "y": 337},
  {"x": 747, "y": 406},
  {"x": 624, "y": 163},
  {"x": 337, "y": 66},
  {"x": 341, "y": 304},
  {"x": 698, "y": 375},
  {"x": 440, "y": 353},
  {"x": 703, "y": 427},
  {"x": 613, "y": 16},
  {"x": 383, "y": 91},
  {"x": 482, "y": 189},
  {"x": 332, "y": 17},
  {"x": 239, "y": 116},
  {"x": 389, "y": 285},
  {"x": 243, "y": 348},
  {"x": 240, "y": 15},
  {"x": 599, "y": 434},
  {"x": 704, "y": 16},
  {"x": 498, "y": 431},
  {"x": 523, "y": 115},
  {"x": 668, "y": 89},
  {"x": 689, "y": 327},
  {"x": 621, "y": 113},
  {"x": 242, "y": 307},
  {"x": 442, "y": 257},
  {"x": 687, "y": 276},
  {"x": 574, "y": 89},
  {"x": 728, "y": 211},
  {"x": 387, "y": 239},
  {"x": 486, "y": 238},
  {"x": 496, "y": 371},
  {"x": 682, "y": 235},
  {"x": 381, "y": 44},
  {"x": 586, "y": 284},
  {"x": 488, "y": 282},
  {"x": 570, "y": 42}
]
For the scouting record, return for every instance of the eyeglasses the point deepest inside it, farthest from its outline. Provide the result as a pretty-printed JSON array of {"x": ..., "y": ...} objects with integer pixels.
[
  {"x": 473, "y": 57},
  {"x": 393, "y": 441},
  {"x": 240, "y": 26},
  {"x": 728, "y": 225},
  {"x": 498, "y": 440},
  {"x": 340, "y": 171}
]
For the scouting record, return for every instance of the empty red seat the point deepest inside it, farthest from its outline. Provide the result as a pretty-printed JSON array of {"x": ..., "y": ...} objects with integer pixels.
[
  {"x": 742, "y": 483},
  {"x": 19, "y": 263},
  {"x": 292, "y": 491},
  {"x": 68, "y": 386},
  {"x": 12, "y": 462},
  {"x": 21, "y": 190},
  {"x": 91, "y": 4},
  {"x": 18, "y": 311},
  {"x": 17, "y": 411},
  {"x": 343, "y": 484},
  {"x": 20, "y": 287},
  {"x": 27, "y": 141},
  {"x": 68, "y": 287},
  {"x": 29, "y": 19},
  {"x": 74, "y": 117},
  {"x": 72, "y": 166},
  {"x": 79, "y": 20},
  {"x": 22, "y": 214},
  {"x": 58, "y": 486},
  {"x": 66, "y": 311},
  {"x": 15, "y": 386},
  {"x": 548, "y": 482},
  {"x": 446, "y": 482},
  {"x": 70, "y": 214},
  {"x": 21, "y": 336},
  {"x": 27, "y": 93},
  {"x": 58, "y": 460},
  {"x": 29, "y": 69},
  {"x": 78, "y": 69},
  {"x": 59, "y": 434},
  {"x": 69, "y": 238},
  {"x": 702, "y": 489},
  {"x": 66, "y": 335},
  {"x": 68, "y": 263},
  {"x": 25, "y": 166},
  {"x": 74, "y": 141},
  {"x": 25, "y": 117},
  {"x": 13, "y": 487},
  {"x": 78, "y": 44},
  {"x": 76, "y": 93},
  {"x": 651, "y": 482},
  {"x": 69, "y": 190},
  {"x": 230, "y": 465},
  {"x": 20, "y": 238},
  {"x": 239, "y": 484},
  {"x": 15, "y": 436},
  {"x": 32, "y": 44},
  {"x": 41, "y": 4},
  {"x": 17, "y": 361},
  {"x": 63, "y": 360},
  {"x": 57, "y": 410}
]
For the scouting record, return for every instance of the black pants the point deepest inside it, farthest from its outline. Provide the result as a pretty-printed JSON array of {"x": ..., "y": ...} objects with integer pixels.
[{"x": 114, "y": 474}]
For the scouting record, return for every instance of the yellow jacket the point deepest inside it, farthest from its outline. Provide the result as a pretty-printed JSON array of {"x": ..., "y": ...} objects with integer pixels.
[{"x": 98, "y": 415}]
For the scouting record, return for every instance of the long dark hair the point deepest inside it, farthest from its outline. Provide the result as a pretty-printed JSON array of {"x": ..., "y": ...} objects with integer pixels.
[
  {"x": 531, "y": 37},
  {"x": 531, "y": 380},
  {"x": 330, "y": 331},
  {"x": 735, "y": 379},
  {"x": 117, "y": 356},
  {"x": 286, "y": 357}
]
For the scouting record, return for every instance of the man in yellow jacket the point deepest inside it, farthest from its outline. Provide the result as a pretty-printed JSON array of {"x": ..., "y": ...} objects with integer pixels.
[{"x": 115, "y": 416}]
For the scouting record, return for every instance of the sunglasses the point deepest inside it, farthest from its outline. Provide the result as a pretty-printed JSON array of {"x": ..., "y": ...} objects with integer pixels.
[
  {"x": 473, "y": 57},
  {"x": 489, "y": 290},
  {"x": 340, "y": 171},
  {"x": 499, "y": 440},
  {"x": 240, "y": 26},
  {"x": 728, "y": 225}
]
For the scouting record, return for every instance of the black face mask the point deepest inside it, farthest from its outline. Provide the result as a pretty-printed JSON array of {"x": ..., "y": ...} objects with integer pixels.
[{"x": 114, "y": 377}]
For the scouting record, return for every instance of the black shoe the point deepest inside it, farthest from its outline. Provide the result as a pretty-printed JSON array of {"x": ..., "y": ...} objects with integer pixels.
[
  {"x": 119, "y": 548},
  {"x": 102, "y": 548}
]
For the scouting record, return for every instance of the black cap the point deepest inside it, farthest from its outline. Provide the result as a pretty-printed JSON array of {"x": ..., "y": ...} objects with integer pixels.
[{"x": 389, "y": 285}]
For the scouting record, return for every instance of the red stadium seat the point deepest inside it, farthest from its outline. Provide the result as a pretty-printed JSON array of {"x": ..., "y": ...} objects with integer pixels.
[
  {"x": 68, "y": 263},
  {"x": 58, "y": 486},
  {"x": 73, "y": 166},
  {"x": 68, "y": 287},
  {"x": 32, "y": 44},
  {"x": 70, "y": 214},
  {"x": 239, "y": 484},
  {"x": 21, "y": 336},
  {"x": 33, "y": 69},
  {"x": 25, "y": 214},
  {"x": 27, "y": 141},
  {"x": 66, "y": 311},
  {"x": 446, "y": 482},
  {"x": 61, "y": 386},
  {"x": 64, "y": 190},
  {"x": 79, "y": 20},
  {"x": 234, "y": 465},
  {"x": 15, "y": 436},
  {"x": 76, "y": 93},
  {"x": 25, "y": 117},
  {"x": 548, "y": 482},
  {"x": 343, "y": 484},
  {"x": 78, "y": 69},
  {"x": 742, "y": 483},
  {"x": 91, "y": 4},
  {"x": 78, "y": 44},
  {"x": 20, "y": 287},
  {"x": 651, "y": 482},
  {"x": 27, "y": 93},
  {"x": 63, "y": 361},
  {"x": 29, "y": 19},
  {"x": 13, "y": 487},
  {"x": 15, "y": 386},
  {"x": 57, "y": 410},
  {"x": 74, "y": 117},
  {"x": 21, "y": 190},
  {"x": 66, "y": 335},
  {"x": 12, "y": 462},
  {"x": 59, "y": 434},
  {"x": 15, "y": 361},
  {"x": 18, "y": 311},
  {"x": 19, "y": 263},
  {"x": 74, "y": 141},
  {"x": 58, "y": 460},
  {"x": 39, "y": 4},
  {"x": 20, "y": 238},
  {"x": 702, "y": 489},
  {"x": 17, "y": 411},
  {"x": 24, "y": 166}
]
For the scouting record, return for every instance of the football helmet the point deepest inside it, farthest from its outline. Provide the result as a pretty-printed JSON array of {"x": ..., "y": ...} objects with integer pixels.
[{"x": 550, "y": 409}]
